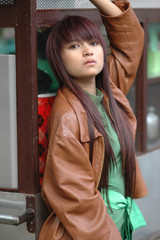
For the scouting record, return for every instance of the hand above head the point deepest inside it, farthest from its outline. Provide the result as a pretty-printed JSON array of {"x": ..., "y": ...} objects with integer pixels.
[{"x": 107, "y": 7}]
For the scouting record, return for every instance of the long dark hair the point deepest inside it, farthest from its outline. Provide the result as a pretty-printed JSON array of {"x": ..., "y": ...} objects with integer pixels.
[{"x": 76, "y": 27}]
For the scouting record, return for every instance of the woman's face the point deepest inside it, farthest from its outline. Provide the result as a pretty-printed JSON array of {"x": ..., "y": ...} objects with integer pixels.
[{"x": 83, "y": 59}]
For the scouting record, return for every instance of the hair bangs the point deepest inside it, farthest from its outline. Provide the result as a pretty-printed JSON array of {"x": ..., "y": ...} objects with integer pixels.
[{"x": 78, "y": 28}]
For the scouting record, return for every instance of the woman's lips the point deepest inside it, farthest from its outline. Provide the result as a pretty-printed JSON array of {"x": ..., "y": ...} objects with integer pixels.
[{"x": 90, "y": 62}]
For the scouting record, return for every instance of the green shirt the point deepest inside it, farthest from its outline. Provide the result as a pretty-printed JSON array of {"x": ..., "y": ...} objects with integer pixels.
[{"x": 116, "y": 179}]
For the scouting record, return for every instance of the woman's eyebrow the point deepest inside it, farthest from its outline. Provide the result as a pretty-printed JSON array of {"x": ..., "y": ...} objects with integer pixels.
[{"x": 75, "y": 40}]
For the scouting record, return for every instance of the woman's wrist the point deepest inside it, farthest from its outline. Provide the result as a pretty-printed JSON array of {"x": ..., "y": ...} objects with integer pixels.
[{"x": 107, "y": 7}]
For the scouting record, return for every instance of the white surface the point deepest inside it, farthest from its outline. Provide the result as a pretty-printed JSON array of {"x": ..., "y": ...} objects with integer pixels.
[
  {"x": 8, "y": 122},
  {"x": 145, "y": 3},
  {"x": 150, "y": 205},
  {"x": 45, "y": 95}
]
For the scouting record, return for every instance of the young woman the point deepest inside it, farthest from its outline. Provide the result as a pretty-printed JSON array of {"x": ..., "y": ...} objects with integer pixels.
[{"x": 91, "y": 173}]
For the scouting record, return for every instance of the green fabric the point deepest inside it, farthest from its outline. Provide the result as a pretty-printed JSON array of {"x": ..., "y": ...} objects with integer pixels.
[
  {"x": 133, "y": 218},
  {"x": 118, "y": 201},
  {"x": 126, "y": 218},
  {"x": 127, "y": 229}
]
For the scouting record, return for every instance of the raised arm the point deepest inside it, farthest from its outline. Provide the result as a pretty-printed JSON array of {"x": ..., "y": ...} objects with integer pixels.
[
  {"x": 107, "y": 7},
  {"x": 126, "y": 39}
]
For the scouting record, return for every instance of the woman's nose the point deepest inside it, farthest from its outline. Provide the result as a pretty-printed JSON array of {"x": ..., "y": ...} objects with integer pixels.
[{"x": 87, "y": 51}]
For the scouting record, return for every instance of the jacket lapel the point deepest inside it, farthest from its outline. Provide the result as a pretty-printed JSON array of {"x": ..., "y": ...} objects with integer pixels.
[{"x": 81, "y": 115}]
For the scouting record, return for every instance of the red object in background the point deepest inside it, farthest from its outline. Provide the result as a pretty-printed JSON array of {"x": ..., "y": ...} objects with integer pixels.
[{"x": 45, "y": 102}]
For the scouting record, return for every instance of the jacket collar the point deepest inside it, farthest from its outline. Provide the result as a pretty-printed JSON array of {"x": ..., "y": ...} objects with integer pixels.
[{"x": 82, "y": 116}]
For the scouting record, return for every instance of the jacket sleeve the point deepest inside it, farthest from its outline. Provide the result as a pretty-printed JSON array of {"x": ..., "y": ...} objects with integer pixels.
[
  {"x": 70, "y": 192},
  {"x": 126, "y": 38}
]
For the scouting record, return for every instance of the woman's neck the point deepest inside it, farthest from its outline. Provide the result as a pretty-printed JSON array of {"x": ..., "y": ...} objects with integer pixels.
[{"x": 88, "y": 85}]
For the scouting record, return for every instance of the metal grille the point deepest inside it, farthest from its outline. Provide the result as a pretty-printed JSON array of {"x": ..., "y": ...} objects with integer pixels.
[
  {"x": 5, "y": 2},
  {"x": 63, "y": 4}
]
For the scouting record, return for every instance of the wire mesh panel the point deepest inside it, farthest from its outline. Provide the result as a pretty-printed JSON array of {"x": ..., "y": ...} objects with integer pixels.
[
  {"x": 63, "y": 4},
  {"x": 5, "y": 2}
]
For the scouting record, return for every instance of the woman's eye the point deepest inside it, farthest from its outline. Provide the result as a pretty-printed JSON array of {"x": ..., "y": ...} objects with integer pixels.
[
  {"x": 95, "y": 43},
  {"x": 73, "y": 46}
]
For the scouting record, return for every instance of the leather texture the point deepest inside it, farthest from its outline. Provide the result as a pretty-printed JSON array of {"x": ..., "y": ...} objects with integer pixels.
[{"x": 77, "y": 210}]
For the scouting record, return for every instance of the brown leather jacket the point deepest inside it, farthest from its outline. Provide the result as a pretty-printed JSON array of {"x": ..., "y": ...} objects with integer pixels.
[{"x": 77, "y": 209}]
